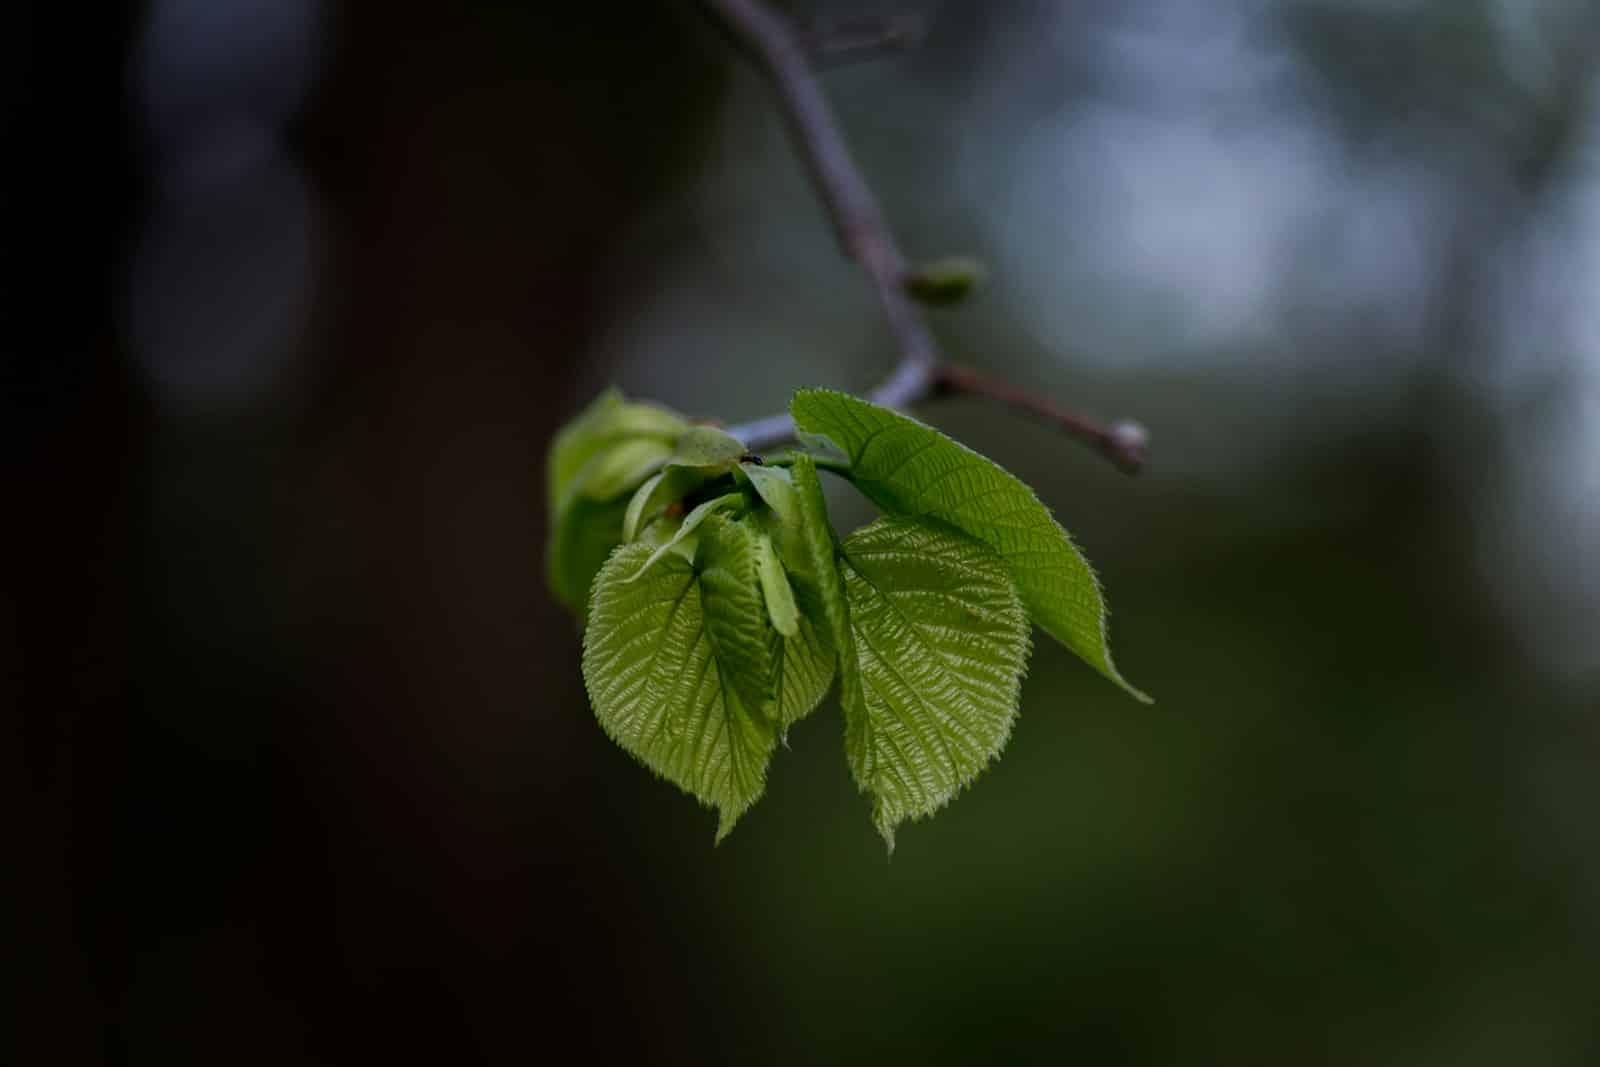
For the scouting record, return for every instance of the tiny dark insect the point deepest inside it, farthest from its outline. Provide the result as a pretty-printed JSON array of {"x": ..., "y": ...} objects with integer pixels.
[{"x": 751, "y": 457}]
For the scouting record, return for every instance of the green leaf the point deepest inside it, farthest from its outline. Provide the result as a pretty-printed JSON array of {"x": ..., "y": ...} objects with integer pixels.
[
  {"x": 788, "y": 677},
  {"x": 799, "y": 533},
  {"x": 779, "y": 517},
  {"x": 594, "y": 460},
  {"x": 910, "y": 469},
  {"x": 941, "y": 639},
  {"x": 660, "y": 683},
  {"x": 781, "y": 523},
  {"x": 679, "y": 541},
  {"x": 728, "y": 561},
  {"x": 702, "y": 454},
  {"x": 620, "y": 468},
  {"x": 578, "y": 547},
  {"x": 708, "y": 448},
  {"x": 805, "y": 671},
  {"x": 775, "y": 589},
  {"x": 608, "y": 421},
  {"x": 811, "y": 559},
  {"x": 653, "y": 499},
  {"x": 775, "y": 488}
]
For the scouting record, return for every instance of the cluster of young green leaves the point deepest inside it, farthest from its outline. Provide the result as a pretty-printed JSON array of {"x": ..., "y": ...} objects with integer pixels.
[{"x": 720, "y": 605}]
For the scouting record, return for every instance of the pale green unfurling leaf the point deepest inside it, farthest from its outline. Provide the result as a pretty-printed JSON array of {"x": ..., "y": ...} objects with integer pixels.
[
  {"x": 775, "y": 487},
  {"x": 813, "y": 563},
  {"x": 709, "y": 449},
  {"x": 781, "y": 608},
  {"x": 690, "y": 525},
  {"x": 596, "y": 459},
  {"x": 657, "y": 496},
  {"x": 608, "y": 421}
]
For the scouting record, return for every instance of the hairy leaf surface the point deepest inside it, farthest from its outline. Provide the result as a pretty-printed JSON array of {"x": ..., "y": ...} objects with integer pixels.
[
  {"x": 941, "y": 638},
  {"x": 908, "y": 468},
  {"x": 664, "y": 688}
]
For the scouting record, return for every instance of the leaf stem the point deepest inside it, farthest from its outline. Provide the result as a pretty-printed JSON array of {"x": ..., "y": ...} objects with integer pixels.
[
  {"x": 780, "y": 49},
  {"x": 836, "y": 466}
]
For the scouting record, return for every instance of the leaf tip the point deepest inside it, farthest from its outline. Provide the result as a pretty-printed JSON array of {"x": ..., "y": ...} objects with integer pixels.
[
  {"x": 727, "y": 818},
  {"x": 1126, "y": 686},
  {"x": 885, "y": 824}
]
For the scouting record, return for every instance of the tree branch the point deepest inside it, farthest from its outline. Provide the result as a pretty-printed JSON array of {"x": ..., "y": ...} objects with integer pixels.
[
  {"x": 1123, "y": 442},
  {"x": 865, "y": 237}
]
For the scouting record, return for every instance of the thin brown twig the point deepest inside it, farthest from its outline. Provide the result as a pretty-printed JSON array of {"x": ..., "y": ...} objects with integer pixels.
[
  {"x": 865, "y": 236},
  {"x": 1124, "y": 443}
]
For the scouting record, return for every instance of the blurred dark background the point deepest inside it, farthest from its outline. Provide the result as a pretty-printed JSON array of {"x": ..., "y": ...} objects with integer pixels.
[{"x": 302, "y": 289}]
